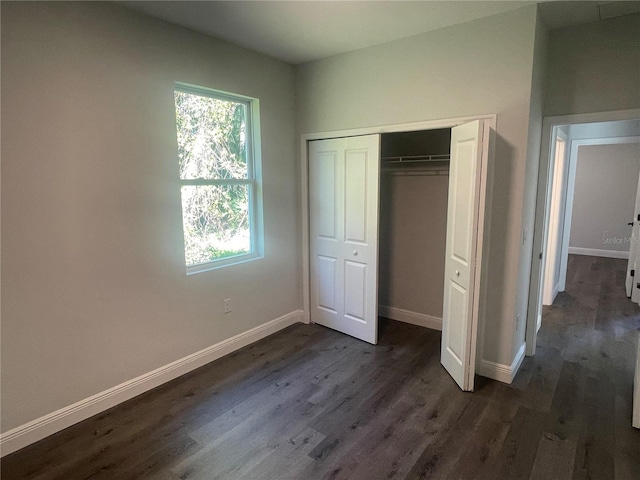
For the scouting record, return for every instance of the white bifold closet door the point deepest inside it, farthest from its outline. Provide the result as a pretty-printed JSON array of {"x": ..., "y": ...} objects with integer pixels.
[
  {"x": 459, "y": 314},
  {"x": 344, "y": 177},
  {"x": 344, "y": 182}
]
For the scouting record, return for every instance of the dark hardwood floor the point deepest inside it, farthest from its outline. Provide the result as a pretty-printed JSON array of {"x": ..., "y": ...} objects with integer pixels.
[{"x": 309, "y": 403}]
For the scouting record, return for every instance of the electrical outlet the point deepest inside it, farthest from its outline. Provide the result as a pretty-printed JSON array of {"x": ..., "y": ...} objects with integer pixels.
[{"x": 227, "y": 305}]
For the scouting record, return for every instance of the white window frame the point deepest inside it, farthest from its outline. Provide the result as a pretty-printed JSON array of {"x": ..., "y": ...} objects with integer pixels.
[{"x": 253, "y": 180}]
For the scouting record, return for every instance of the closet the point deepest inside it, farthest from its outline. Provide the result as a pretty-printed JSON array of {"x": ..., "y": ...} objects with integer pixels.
[
  {"x": 395, "y": 223},
  {"x": 414, "y": 183}
]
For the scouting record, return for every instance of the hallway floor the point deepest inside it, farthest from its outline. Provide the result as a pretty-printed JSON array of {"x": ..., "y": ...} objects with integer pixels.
[{"x": 586, "y": 349}]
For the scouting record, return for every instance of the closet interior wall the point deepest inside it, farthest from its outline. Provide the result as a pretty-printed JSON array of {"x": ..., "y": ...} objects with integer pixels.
[{"x": 413, "y": 225}]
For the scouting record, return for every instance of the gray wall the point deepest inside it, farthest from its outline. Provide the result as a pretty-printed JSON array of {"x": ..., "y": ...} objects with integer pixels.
[
  {"x": 479, "y": 67},
  {"x": 527, "y": 268},
  {"x": 594, "y": 67},
  {"x": 413, "y": 229},
  {"x": 604, "y": 196},
  {"x": 94, "y": 291},
  {"x": 413, "y": 226}
]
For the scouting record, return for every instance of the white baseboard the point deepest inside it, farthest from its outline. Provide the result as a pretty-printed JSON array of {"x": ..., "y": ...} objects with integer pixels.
[
  {"x": 594, "y": 252},
  {"x": 407, "y": 316},
  {"x": 500, "y": 372},
  {"x": 46, "y": 425}
]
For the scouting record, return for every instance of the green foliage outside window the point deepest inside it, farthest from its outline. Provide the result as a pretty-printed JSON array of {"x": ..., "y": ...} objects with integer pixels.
[{"x": 215, "y": 177}]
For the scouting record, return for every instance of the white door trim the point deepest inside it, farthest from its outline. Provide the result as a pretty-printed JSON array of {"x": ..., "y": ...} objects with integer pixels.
[
  {"x": 556, "y": 193},
  {"x": 490, "y": 119},
  {"x": 548, "y": 126}
]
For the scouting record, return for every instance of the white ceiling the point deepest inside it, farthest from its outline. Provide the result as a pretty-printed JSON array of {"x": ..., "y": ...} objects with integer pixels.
[
  {"x": 558, "y": 14},
  {"x": 302, "y": 31}
]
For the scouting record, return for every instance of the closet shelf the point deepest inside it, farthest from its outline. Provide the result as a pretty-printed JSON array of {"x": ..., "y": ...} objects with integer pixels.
[
  {"x": 415, "y": 159},
  {"x": 419, "y": 172},
  {"x": 415, "y": 165}
]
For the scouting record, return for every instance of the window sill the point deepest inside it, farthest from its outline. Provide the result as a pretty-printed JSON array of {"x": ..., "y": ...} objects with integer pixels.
[{"x": 226, "y": 262}]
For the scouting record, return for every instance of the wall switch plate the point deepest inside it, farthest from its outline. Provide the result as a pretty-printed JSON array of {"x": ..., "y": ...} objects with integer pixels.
[{"x": 227, "y": 305}]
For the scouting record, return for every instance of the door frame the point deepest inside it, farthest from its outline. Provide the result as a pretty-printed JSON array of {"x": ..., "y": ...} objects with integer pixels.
[
  {"x": 570, "y": 190},
  {"x": 489, "y": 119},
  {"x": 557, "y": 181},
  {"x": 549, "y": 124}
]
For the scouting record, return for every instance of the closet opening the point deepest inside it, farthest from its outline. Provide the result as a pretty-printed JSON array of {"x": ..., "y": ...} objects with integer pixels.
[
  {"x": 393, "y": 224},
  {"x": 414, "y": 185}
]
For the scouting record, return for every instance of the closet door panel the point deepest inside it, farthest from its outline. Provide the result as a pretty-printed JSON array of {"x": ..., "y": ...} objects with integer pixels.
[
  {"x": 462, "y": 180},
  {"x": 459, "y": 323},
  {"x": 343, "y": 223},
  {"x": 323, "y": 192},
  {"x": 457, "y": 298},
  {"x": 355, "y": 291},
  {"x": 326, "y": 284},
  {"x": 356, "y": 187}
]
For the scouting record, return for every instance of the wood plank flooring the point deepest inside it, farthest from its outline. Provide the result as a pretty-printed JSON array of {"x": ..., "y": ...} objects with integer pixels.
[{"x": 309, "y": 403}]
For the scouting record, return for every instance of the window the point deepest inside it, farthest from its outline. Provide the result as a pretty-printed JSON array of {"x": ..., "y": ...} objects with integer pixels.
[{"x": 218, "y": 155}]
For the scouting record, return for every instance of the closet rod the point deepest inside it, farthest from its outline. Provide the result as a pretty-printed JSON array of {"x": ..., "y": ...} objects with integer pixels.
[
  {"x": 417, "y": 159},
  {"x": 415, "y": 172}
]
